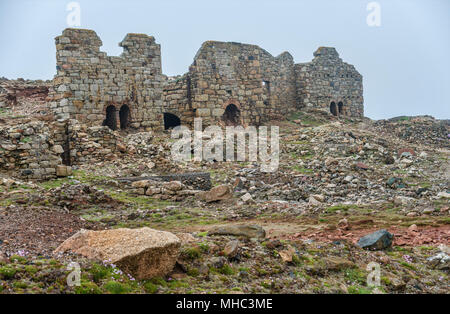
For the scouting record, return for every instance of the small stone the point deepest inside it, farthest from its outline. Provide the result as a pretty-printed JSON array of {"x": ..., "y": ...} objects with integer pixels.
[
  {"x": 57, "y": 149},
  {"x": 288, "y": 254},
  {"x": 141, "y": 184},
  {"x": 173, "y": 185},
  {"x": 413, "y": 228},
  {"x": 247, "y": 197},
  {"x": 231, "y": 248},
  {"x": 443, "y": 195}
]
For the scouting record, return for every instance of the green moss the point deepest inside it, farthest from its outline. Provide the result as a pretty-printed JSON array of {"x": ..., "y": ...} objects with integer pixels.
[
  {"x": 31, "y": 269},
  {"x": 340, "y": 207},
  {"x": 150, "y": 287},
  {"x": 18, "y": 259},
  {"x": 359, "y": 290},
  {"x": 355, "y": 275},
  {"x": 227, "y": 270},
  {"x": 193, "y": 272},
  {"x": 407, "y": 265},
  {"x": 7, "y": 272},
  {"x": 20, "y": 285},
  {"x": 87, "y": 287},
  {"x": 99, "y": 272},
  {"x": 115, "y": 287}
]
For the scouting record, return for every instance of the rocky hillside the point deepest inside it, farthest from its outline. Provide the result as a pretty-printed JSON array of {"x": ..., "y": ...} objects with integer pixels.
[{"x": 296, "y": 230}]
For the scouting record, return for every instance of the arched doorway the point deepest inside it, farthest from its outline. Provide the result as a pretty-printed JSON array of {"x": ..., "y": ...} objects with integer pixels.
[
  {"x": 232, "y": 115},
  {"x": 124, "y": 115},
  {"x": 111, "y": 120},
  {"x": 333, "y": 108},
  {"x": 171, "y": 121},
  {"x": 341, "y": 108}
]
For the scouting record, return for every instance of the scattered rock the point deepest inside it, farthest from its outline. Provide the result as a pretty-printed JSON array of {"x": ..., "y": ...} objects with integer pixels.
[{"x": 440, "y": 261}]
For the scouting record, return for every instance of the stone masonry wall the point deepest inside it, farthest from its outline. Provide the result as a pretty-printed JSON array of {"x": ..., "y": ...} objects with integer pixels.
[
  {"x": 88, "y": 81},
  {"x": 29, "y": 150},
  {"x": 177, "y": 98},
  {"x": 328, "y": 79},
  {"x": 247, "y": 76}
]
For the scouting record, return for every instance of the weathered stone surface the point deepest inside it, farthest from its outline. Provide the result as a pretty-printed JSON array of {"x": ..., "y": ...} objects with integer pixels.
[
  {"x": 249, "y": 231},
  {"x": 288, "y": 254},
  {"x": 63, "y": 171},
  {"x": 377, "y": 240},
  {"x": 143, "y": 253},
  {"x": 218, "y": 193},
  {"x": 231, "y": 248}
]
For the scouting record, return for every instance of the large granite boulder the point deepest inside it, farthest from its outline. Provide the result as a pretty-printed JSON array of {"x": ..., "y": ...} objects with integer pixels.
[{"x": 143, "y": 253}]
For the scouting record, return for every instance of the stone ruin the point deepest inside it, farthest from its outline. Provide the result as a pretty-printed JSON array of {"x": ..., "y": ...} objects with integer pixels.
[
  {"x": 227, "y": 84},
  {"x": 73, "y": 119}
]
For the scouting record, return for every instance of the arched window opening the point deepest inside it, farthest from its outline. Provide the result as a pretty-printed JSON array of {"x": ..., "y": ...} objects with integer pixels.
[
  {"x": 231, "y": 115},
  {"x": 341, "y": 108},
  {"x": 171, "y": 121}
]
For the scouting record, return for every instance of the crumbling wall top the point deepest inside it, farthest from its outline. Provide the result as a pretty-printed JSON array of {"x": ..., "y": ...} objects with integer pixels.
[{"x": 78, "y": 39}]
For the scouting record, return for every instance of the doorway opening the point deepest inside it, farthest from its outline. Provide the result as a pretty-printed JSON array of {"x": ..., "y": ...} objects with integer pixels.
[
  {"x": 341, "y": 108},
  {"x": 124, "y": 116},
  {"x": 333, "y": 108},
  {"x": 111, "y": 120}
]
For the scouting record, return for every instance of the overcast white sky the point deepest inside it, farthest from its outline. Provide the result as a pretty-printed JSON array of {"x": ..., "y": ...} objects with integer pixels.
[{"x": 405, "y": 62}]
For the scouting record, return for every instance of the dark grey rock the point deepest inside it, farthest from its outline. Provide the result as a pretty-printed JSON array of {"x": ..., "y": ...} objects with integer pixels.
[{"x": 378, "y": 240}]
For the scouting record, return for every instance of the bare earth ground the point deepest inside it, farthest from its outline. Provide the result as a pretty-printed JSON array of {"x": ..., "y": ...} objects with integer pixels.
[{"x": 343, "y": 163}]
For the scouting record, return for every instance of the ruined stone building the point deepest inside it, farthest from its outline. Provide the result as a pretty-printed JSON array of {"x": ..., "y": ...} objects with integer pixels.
[{"x": 227, "y": 84}]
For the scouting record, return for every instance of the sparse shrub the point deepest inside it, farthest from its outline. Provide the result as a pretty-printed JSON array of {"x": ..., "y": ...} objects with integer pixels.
[
  {"x": 227, "y": 270},
  {"x": 192, "y": 253}
]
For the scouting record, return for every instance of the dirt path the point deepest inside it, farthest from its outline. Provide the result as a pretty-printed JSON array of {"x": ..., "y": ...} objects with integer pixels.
[{"x": 291, "y": 231}]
